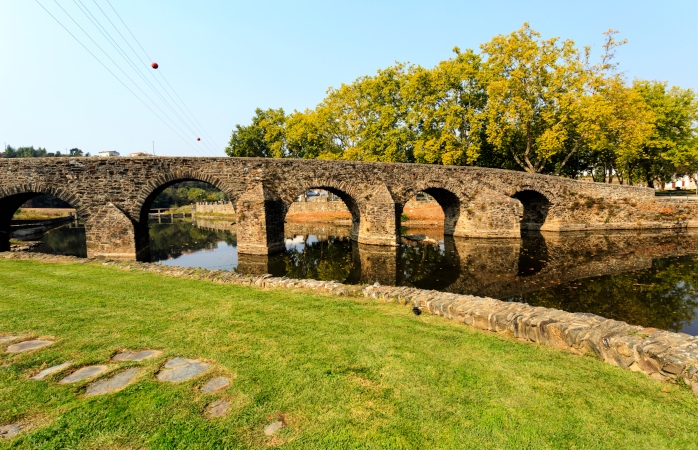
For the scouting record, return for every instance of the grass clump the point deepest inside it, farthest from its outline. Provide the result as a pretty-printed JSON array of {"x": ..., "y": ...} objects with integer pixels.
[{"x": 343, "y": 373}]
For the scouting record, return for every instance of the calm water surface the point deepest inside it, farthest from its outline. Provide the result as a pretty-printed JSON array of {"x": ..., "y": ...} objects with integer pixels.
[{"x": 645, "y": 278}]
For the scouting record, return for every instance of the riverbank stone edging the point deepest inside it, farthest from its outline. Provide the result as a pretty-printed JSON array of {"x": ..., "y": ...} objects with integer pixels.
[{"x": 661, "y": 355}]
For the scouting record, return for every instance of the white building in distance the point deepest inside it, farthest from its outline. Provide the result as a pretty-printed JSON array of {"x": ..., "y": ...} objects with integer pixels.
[{"x": 108, "y": 153}]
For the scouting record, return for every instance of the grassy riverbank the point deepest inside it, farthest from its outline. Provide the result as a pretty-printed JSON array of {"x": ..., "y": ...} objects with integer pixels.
[
  {"x": 343, "y": 373},
  {"x": 42, "y": 213}
]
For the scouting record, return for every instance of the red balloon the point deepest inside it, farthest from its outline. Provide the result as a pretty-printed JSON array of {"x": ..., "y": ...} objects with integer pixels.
[
  {"x": 198, "y": 139},
  {"x": 154, "y": 65}
]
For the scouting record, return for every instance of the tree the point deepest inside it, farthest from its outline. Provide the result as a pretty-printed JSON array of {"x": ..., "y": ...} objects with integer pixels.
[
  {"x": 75, "y": 152},
  {"x": 313, "y": 134},
  {"x": 265, "y": 137},
  {"x": 368, "y": 117},
  {"x": 445, "y": 106},
  {"x": 533, "y": 87},
  {"x": 672, "y": 146}
]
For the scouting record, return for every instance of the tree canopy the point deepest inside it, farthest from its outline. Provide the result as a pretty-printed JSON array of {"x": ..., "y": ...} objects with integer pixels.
[{"x": 522, "y": 102}]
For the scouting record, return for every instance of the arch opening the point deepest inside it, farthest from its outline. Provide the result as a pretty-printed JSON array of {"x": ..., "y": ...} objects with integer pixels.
[
  {"x": 432, "y": 213},
  {"x": 535, "y": 209},
  {"x": 41, "y": 222},
  {"x": 319, "y": 209},
  {"x": 182, "y": 217}
]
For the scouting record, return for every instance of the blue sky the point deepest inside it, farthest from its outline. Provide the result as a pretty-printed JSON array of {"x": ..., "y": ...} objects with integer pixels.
[{"x": 227, "y": 58}]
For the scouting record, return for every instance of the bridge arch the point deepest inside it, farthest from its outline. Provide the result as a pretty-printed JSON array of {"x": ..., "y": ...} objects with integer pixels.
[
  {"x": 12, "y": 197},
  {"x": 448, "y": 195},
  {"x": 536, "y": 207},
  {"x": 348, "y": 194},
  {"x": 157, "y": 185}
]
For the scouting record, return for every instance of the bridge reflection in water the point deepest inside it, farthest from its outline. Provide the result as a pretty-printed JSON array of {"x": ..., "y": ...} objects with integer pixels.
[{"x": 645, "y": 278}]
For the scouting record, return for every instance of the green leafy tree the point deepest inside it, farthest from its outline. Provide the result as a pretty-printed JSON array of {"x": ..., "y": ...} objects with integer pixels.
[
  {"x": 264, "y": 137},
  {"x": 445, "y": 110},
  {"x": 672, "y": 145}
]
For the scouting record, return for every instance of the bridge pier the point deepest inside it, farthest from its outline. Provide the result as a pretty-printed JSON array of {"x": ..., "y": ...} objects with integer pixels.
[
  {"x": 261, "y": 264},
  {"x": 373, "y": 263},
  {"x": 489, "y": 216},
  {"x": 379, "y": 218},
  {"x": 260, "y": 217},
  {"x": 111, "y": 234}
]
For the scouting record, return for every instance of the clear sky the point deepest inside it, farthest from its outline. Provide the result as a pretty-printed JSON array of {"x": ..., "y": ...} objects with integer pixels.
[{"x": 226, "y": 58}]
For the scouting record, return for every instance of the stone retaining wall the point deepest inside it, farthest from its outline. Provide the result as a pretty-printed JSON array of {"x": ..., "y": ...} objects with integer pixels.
[
  {"x": 317, "y": 207},
  {"x": 215, "y": 208},
  {"x": 662, "y": 355}
]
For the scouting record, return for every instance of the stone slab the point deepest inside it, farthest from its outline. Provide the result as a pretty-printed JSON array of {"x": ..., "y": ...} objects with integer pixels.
[
  {"x": 113, "y": 384},
  {"x": 273, "y": 427},
  {"x": 215, "y": 384},
  {"x": 83, "y": 374},
  {"x": 8, "y": 431},
  {"x": 136, "y": 356},
  {"x": 4, "y": 339},
  {"x": 51, "y": 370},
  {"x": 218, "y": 408},
  {"x": 26, "y": 346},
  {"x": 181, "y": 369}
]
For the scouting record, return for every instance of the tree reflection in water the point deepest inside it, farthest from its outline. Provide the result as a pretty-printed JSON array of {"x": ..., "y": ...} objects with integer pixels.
[
  {"x": 664, "y": 296},
  {"x": 172, "y": 240},
  {"x": 324, "y": 260}
]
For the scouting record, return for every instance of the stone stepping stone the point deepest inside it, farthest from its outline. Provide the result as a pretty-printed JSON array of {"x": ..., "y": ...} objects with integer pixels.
[
  {"x": 136, "y": 356},
  {"x": 215, "y": 384},
  {"x": 83, "y": 374},
  {"x": 218, "y": 408},
  {"x": 27, "y": 346},
  {"x": 181, "y": 369},
  {"x": 113, "y": 384},
  {"x": 8, "y": 431},
  {"x": 4, "y": 339},
  {"x": 51, "y": 370},
  {"x": 273, "y": 427}
]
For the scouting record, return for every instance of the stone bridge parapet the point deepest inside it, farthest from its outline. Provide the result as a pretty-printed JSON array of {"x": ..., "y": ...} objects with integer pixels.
[{"x": 113, "y": 196}]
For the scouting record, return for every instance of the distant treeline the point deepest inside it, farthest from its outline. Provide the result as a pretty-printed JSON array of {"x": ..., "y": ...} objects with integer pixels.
[
  {"x": 187, "y": 192},
  {"x": 31, "y": 152}
]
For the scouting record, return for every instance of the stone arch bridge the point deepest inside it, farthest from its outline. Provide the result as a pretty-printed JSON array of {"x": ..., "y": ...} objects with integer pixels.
[{"x": 113, "y": 197}]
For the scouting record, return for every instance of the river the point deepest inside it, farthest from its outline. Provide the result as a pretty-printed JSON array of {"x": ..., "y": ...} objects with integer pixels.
[{"x": 647, "y": 278}]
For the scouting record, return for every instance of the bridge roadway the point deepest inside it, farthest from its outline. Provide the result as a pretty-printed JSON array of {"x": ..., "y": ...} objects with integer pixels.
[{"x": 113, "y": 196}]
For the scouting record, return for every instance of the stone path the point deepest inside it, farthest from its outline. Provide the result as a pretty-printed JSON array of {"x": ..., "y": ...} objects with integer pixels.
[
  {"x": 175, "y": 370},
  {"x": 136, "y": 356},
  {"x": 27, "y": 346},
  {"x": 218, "y": 408},
  {"x": 84, "y": 373},
  {"x": 273, "y": 427},
  {"x": 113, "y": 384},
  {"x": 181, "y": 369},
  {"x": 8, "y": 431},
  {"x": 215, "y": 384},
  {"x": 51, "y": 370}
]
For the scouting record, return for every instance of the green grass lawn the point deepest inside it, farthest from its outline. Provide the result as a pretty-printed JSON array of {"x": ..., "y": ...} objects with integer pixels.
[{"x": 343, "y": 372}]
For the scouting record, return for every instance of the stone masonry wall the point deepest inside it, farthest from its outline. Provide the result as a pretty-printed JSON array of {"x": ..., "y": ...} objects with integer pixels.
[
  {"x": 478, "y": 202},
  {"x": 316, "y": 207},
  {"x": 215, "y": 208}
]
